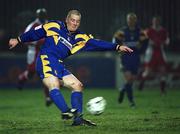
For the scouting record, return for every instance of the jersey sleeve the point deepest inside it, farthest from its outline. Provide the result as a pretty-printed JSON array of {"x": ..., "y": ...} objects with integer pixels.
[
  {"x": 39, "y": 32},
  {"x": 86, "y": 42},
  {"x": 99, "y": 45}
]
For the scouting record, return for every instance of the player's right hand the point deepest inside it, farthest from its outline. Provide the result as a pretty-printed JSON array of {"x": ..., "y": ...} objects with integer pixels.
[
  {"x": 123, "y": 48},
  {"x": 12, "y": 43}
]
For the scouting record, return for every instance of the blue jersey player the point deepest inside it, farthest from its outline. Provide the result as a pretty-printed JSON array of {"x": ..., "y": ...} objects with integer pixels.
[
  {"x": 62, "y": 40},
  {"x": 133, "y": 37}
]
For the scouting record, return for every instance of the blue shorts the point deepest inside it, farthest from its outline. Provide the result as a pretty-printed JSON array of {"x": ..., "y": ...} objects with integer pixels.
[
  {"x": 50, "y": 66},
  {"x": 131, "y": 63}
]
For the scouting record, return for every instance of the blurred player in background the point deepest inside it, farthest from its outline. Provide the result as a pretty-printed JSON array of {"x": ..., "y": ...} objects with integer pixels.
[
  {"x": 61, "y": 41},
  {"x": 134, "y": 38},
  {"x": 33, "y": 50},
  {"x": 155, "y": 60}
]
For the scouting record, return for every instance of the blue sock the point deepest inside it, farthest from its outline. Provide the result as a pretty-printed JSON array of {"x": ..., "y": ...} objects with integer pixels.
[
  {"x": 129, "y": 91},
  {"x": 58, "y": 99},
  {"x": 77, "y": 101}
]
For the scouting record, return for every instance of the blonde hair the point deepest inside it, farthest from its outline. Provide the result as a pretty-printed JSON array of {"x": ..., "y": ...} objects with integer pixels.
[
  {"x": 76, "y": 12},
  {"x": 131, "y": 15}
]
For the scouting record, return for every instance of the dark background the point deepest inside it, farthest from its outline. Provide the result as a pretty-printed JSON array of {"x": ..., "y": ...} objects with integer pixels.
[{"x": 99, "y": 17}]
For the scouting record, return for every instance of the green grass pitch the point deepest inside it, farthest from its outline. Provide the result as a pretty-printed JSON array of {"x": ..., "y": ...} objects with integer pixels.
[{"x": 24, "y": 112}]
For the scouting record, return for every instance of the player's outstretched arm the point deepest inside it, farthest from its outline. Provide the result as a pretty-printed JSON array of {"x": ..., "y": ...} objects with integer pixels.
[
  {"x": 35, "y": 34},
  {"x": 100, "y": 45}
]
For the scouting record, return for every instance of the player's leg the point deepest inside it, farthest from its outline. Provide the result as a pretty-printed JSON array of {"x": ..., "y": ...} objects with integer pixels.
[
  {"x": 121, "y": 94},
  {"x": 30, "y": 70},
  {"x": 50, "y": 71},
  {"x": 76, "y": 86},
  {"x": 123, "y": 86},
  {"x": 130, "y": 68},
  {"x": 162, "y": 71},
  {"x": 129, "y": 87},
  {"x": 149, "y": 62},
  {"x": 144, "y": 77},
  {"x": 48, "y": 100},
  {"x": 52, "y": 83},
  {"x": 24, "y": 76}
]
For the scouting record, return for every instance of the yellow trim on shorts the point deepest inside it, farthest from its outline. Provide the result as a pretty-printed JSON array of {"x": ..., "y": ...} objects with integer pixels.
[{"x": 46, "y": 68}]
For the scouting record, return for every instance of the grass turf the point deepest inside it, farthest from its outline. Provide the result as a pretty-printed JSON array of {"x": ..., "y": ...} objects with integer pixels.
[{"x": 24, "y": 112}]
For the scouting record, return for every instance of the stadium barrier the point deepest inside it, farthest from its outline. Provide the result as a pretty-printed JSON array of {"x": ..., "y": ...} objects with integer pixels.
[{"x": 95, "y": 70}]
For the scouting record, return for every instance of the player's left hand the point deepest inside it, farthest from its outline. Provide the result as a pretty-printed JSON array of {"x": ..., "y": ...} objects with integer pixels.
[
  {"x": 12, "y": 43},
  {"x": 125, "y": 49}
]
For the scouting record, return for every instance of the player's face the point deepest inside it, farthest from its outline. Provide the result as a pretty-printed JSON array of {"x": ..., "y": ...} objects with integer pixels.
[
  {"x": 131, "y": 21},
  {"x": 73, "y": 22},
  {"x": 156, "y": 21}
]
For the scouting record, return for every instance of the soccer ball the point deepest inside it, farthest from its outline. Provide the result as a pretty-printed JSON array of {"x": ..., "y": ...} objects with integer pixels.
[{"x": 96, "y": 106}]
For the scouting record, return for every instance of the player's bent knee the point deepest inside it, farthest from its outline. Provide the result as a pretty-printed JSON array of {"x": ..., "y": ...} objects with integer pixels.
[
  {"x": 53, "y": 86},
  {"x": 51, "y": 83},
  {"x": 77, "y": 87}
]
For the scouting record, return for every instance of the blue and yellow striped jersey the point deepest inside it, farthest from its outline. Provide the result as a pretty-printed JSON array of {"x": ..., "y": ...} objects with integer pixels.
[{"x": 61, "y": 43}]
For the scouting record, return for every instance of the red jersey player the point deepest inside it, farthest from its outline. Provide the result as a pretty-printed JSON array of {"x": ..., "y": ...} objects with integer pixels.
[
  {"x": 155, "y": 60},
  {"x": 33, "y": 50}
]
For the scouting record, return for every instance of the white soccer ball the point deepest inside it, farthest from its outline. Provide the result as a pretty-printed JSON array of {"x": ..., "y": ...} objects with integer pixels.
[{"x": 96, "y": 106}]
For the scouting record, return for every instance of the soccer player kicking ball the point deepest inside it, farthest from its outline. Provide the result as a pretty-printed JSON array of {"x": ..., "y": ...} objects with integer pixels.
[{"x": 62, "y": 40}]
